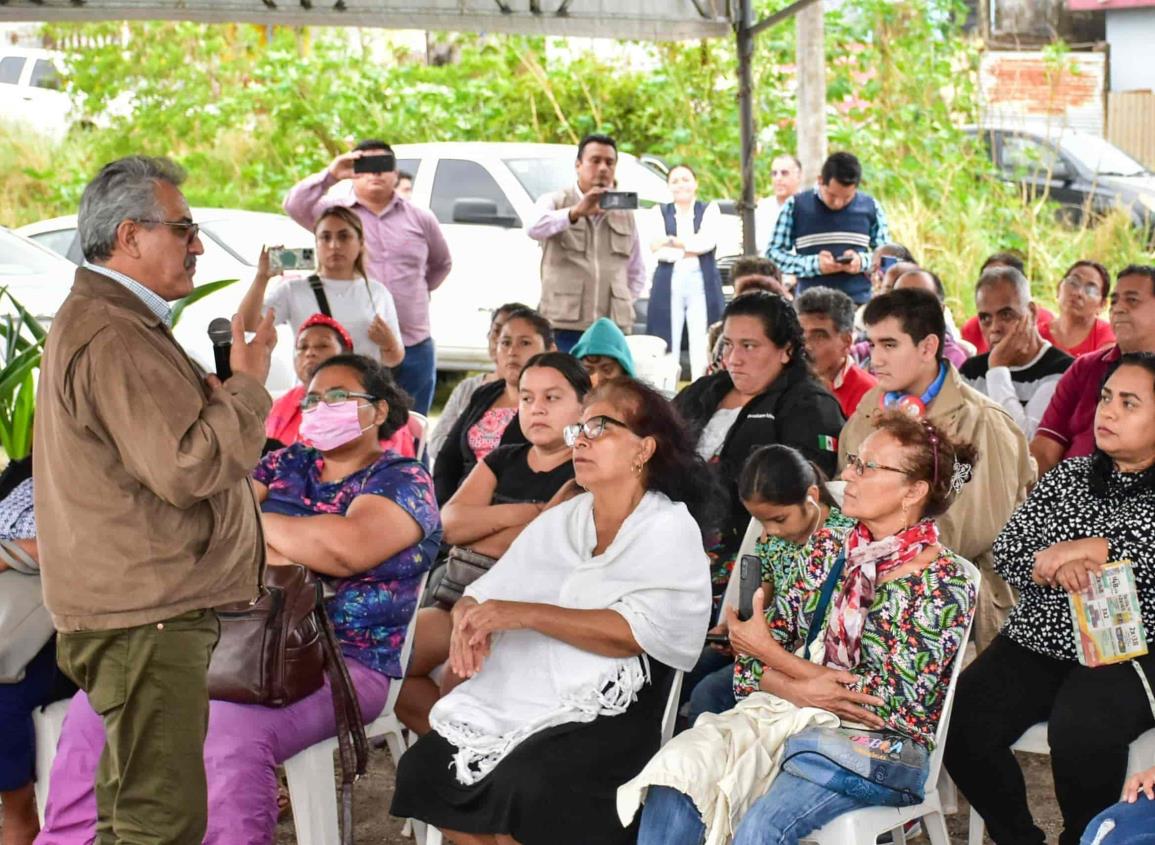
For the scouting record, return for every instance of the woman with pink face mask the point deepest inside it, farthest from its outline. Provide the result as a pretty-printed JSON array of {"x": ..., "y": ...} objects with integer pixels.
[{"x": 362, "y": 518}]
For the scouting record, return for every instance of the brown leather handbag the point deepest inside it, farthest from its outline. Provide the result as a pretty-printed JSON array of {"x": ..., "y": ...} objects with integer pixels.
[{"x": 277, "y": 650}]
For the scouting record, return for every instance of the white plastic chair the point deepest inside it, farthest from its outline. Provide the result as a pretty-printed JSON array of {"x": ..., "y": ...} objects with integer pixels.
[
  {"x": 863, "y": 827},
  {"x": 643, "y": 346},
  {"x": 419, "y": 426},
  {"x": 433, "y": 835},
  {"x": 1034, "y": 741},
  {"x": 49, "y": 724},
  {"x": 311, "y": 773}
]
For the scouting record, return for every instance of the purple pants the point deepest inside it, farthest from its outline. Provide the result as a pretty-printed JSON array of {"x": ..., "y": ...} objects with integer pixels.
[{"x": 245, "y": 743}]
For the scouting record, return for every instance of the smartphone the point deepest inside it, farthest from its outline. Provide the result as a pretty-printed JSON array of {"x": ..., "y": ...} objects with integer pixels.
[
  {"x": 384, "y": 163},
  {"x": 618, "y": 201},
  {"x": 717, "y": 639},
  {"x": 886, "y": 262},
  {"x": 844, "y": 259},
  {"x": 298, "y": 258},
  {"x": 749, "y": 580}
]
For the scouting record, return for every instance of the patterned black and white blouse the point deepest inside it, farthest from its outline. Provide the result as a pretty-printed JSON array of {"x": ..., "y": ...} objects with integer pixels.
[{"x": 1063, "y": 507}]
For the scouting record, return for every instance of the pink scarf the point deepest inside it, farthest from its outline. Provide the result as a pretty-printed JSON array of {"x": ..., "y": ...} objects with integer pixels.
[{"x": 867, "y": 560}]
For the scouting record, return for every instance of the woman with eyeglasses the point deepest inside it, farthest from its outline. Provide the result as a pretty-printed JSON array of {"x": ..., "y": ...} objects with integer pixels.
[
  {"x": 1083, "y": 293},
  {"x": 503, "y": 494},
  {"x": 490, "y": 419},
  {"x": 569, "y": 643},
  {"x": 366, "y": 522},
  {"x": 340, "y": 288},
  {"x": 878, "y": 653}
]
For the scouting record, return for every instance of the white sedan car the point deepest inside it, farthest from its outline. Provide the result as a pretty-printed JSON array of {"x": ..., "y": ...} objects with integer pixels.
[
  {"x": 38, "y": 278},
  {"x": 232, "y": 240}
]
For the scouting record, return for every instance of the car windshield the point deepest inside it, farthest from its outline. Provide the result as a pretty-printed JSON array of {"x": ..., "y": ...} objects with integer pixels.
[
  {"x": 544, "y": 174},
  {"x": 244, "y": 234},
  {"x": 1100, "y": 156},
  {"x": 18, "y": 257}
]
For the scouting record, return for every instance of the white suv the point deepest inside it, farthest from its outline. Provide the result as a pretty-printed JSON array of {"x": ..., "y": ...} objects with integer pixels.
[{"x": 31, "y": 93}]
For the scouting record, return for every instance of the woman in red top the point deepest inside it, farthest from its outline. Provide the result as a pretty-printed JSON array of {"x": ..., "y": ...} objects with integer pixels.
[{"x": 1083, "y": 292}]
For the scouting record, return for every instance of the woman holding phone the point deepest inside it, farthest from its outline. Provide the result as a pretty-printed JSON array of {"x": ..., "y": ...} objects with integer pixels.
[{"x": 340, "y": 288}]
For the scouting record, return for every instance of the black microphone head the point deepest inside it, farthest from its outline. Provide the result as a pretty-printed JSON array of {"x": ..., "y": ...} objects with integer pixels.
[{"x": 221, "y": 331}]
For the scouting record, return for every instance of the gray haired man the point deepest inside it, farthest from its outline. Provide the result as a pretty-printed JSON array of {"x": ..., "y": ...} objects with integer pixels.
[
  {"x": 1022, "y": 369},
  {"x": 146, "y": 517}
]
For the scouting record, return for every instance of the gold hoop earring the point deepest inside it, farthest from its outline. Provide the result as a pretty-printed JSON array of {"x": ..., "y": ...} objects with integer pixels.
[
  {"x": 637, "y": 468},
  {"x": 905, "y": 518}
]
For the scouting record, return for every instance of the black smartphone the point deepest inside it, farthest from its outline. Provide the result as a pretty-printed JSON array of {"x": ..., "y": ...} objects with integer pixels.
[
  {"x": 886, "y": 262},
  {"x": 384, "y": 163},
  {"x": 749, "y": 580},
  {"x": 717, "y": 639},
  {"x": 844, "y": 259},
  {"x": 618, "y": 201}
]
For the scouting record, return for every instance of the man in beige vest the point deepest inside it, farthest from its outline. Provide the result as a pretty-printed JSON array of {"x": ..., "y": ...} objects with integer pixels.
[
  {"x": 906, "y": 328},
  {"x": 591, "y": 260}
]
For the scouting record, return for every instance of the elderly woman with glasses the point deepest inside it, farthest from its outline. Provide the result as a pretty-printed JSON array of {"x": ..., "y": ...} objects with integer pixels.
[
  {"x": 363, "y": 519},
  {"x": 569, "y": 643},
  {"x": 1083, "y": 292},
  {"x": 879, "y": 650}
]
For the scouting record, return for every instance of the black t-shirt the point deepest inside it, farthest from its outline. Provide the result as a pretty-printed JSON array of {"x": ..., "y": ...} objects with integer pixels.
[{"x": 517, "y": 483}]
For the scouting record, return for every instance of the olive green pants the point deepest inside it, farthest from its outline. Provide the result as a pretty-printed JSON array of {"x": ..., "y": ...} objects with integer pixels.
[{"x": 149, "y": 685}]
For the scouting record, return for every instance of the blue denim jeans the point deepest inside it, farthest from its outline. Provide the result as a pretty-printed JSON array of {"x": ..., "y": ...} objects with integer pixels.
[
  {"x": 565, "y": 339},
  {"x": 789, "y": 810},
  {"x": 1123, "y": 824},
  {"x": 417, "y": 374},
  {"x": 713, "y": 694}
]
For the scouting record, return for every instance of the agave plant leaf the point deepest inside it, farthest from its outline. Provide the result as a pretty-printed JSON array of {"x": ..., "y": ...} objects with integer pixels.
[
  {"x": 13, "y": 373},
  {"x": 34, "y": 328},
  {"x": 199, "y": 293}
]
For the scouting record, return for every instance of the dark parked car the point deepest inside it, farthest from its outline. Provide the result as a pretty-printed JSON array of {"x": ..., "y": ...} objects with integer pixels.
[{"x": 1087, "y": 175}]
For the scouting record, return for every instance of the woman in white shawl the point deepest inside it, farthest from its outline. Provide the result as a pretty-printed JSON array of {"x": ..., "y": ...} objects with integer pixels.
[{"x": 569, "y": 643}]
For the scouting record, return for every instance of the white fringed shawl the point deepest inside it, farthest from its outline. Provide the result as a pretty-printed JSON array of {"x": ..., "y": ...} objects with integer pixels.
[{"x": 654, "y": 573}]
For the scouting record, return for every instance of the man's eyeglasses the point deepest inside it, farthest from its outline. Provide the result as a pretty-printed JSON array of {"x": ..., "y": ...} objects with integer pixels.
[
  {"x": 861, "y": 466},
  {"x": 332, "y": 397},
  {"x": 191, "y": 230},
  {"x": 593, "y": 428},
  {"x": 781, "y": 172},
  {"x": 1089, "y": 289}
]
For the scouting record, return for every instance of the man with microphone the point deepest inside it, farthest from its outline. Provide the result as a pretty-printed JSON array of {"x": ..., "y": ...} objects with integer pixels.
[{"x": 147, "y": 520}]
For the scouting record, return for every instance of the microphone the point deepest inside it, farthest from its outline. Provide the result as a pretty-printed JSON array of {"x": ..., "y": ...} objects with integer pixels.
[{"x": 221, "y": 334}]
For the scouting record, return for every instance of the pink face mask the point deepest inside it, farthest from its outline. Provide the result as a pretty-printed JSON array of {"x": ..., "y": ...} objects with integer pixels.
[{"x": 329, "y": 427}]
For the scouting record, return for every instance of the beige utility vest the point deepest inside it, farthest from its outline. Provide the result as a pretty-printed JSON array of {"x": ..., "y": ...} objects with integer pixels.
[{"x": 584, "y": 269}]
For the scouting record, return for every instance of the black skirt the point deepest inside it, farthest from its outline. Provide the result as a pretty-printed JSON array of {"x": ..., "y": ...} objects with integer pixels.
[{"x": 559, "y": 787}]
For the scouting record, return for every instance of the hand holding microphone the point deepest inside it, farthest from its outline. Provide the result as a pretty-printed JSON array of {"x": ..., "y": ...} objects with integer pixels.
[{"x": 232, "y": 354}]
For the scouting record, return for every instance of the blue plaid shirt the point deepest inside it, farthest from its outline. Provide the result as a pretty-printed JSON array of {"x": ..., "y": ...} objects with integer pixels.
[
  {"x": 781, "y": 250},
  {"x": 155, "y": 304}
]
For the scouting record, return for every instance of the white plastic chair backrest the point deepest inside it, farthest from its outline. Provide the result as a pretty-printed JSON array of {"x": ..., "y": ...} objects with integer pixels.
[
  {"x": 670, "y": 716},
  {"x": 976, "y": 577},
  {"x": 418, "y": 425},
  {"x": 406, "y": 649},
  {"x": 644, "y": 346}
]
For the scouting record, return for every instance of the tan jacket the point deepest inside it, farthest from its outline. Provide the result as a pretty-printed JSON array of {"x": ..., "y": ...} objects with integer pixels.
[
  {"x": 143, "y": 505},
  {"x": 1002, "y": 475},
  {"x": 584, "y": 269}
]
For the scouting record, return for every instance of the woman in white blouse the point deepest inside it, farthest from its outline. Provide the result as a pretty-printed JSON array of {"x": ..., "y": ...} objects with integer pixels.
[
  {"x": 569, "y": 643},
  {"x": 687, "y": 288},
  {"x": 339, "y": 289}
]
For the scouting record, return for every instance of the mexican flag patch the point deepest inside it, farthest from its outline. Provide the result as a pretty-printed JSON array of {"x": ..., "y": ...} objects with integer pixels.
[{"x": 828, "y": 444}]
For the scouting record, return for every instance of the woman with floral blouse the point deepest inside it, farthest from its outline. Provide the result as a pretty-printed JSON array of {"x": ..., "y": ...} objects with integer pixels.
[
  {"x": 899, "y": 609},
  {"x": 1084, "y": 513},
  {"x": 362, "y": 519}
]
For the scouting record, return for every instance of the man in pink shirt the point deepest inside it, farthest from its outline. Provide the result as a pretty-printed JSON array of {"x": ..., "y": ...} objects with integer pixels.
[
  {"x": 591, "y": 259},
  {"x": 1067, "y": 427},
  {"x": 404, "y": 250}
]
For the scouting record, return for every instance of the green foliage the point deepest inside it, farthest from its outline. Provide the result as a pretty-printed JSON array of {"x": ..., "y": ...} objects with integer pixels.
[
  {"x": 198, "y": 293},
  {"x": 249, "y": 112},
  {"x": 21, "y": 346}
]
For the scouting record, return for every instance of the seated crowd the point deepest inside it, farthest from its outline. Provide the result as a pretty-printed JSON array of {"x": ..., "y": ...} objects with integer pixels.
[{"x": 897, "y": 484}]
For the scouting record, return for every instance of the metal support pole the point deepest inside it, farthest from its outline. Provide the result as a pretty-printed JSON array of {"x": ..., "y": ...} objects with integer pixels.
[{"x": 745, "y": 32}]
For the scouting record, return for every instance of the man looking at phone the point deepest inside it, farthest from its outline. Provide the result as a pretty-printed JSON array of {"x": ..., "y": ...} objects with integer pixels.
[
  {"x": 591, "y": 255},
  {"x": 1022, "y": 369},
  {"x": 146, "y": 518},
  {"x": 906, "y": 329},
  {"x": 405, "y": 249},
  {"x": 825, "y": 235}
]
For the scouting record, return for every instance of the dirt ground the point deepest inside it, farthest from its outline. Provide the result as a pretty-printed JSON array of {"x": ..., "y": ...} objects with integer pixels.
[{"x": 374, "y": 825}]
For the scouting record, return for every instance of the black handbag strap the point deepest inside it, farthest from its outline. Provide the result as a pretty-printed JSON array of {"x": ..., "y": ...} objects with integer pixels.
[
  {"x": 352, "y": 744},
  {"x": 818, "y": 620},
  {"x": 319, "y": 291}
]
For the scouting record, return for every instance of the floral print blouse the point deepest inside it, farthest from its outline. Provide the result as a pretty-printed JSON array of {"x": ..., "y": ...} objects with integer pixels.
[
  {"x": 913, "y": 633},
  {"x": 781, "y": 562},
  {"x": 485, "y": 435},
  {"x": 370, "y": 610},
  {"x": 1063, "y": 506}
]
